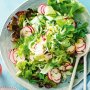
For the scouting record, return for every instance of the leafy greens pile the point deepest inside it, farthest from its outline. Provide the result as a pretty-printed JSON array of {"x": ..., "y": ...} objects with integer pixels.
[{"x": 60, "y": 29}]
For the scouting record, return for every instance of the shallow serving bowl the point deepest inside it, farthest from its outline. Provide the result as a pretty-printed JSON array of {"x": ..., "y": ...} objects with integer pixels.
[{"x": 5, "y": 45}]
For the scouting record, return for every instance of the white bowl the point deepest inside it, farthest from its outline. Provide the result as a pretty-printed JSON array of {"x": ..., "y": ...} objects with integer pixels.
[{"x": 5, "y": 45}]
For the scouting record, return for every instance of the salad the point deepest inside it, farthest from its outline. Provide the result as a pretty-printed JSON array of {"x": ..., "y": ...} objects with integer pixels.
[{"x": 47, "y": 41}]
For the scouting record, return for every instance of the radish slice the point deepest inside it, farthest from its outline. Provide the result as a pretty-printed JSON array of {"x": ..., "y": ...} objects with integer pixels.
[
  {"x": 57, "y": 81},
  {"x": 78, "y": 47},
  {"x": 67, "y": 64},
  {"x": 79, "y": 52},
  {"x": 11, "y": 57},
  {"x": 27, "y": 31},
  {"x": 43, "y": 38},
  {"x": 80, "y": 42},
  {"x": 17, "y": 57},
  {"x": 41, "y": 9},
  {"x": 31, "y": 28},
  {"x": 39, "y": 49},
  {"x": 49, "y": 75},
  {"x": 54, "y": 75},
  {"x": 69, "y": 67},
  {"x": 82, "y": 48}
]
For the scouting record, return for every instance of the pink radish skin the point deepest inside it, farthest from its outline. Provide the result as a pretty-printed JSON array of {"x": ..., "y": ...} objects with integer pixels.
[
  {"x": 43, "y": 38},
  {"x": 31, "y": 29},
  {"x": 27, "y": 31},
  {"x": 49, "y": 75},
  {"x": 81, "y": 49},
  {"x": 67, "y": 64},
  {"x": 80, "y": 46},
  {"x": 54, "y": 75},
  {"x": 69, "y": 67},
  {"x": 57, "y": 81},
  {"x": 11, "y": 57},
  {"x": 79, "y": 52},
  {"x": 41, "y": 9},
  {"x": 84, "y": 45}
]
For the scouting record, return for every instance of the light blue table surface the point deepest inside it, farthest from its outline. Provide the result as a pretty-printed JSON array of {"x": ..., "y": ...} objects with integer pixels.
[{"x": 6, "y": 8}]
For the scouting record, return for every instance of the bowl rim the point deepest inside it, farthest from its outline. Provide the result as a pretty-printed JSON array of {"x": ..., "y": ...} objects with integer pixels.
[{"x": 13, "y": 11}]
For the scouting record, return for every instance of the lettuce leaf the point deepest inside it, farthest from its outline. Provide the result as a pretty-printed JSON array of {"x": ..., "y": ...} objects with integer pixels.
[
  {"x": 76, "y": 8},
  {"x": 80, "y": 31},
  {"x": 69, "y": 7},
  {"x": 46, "y": 69}
]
